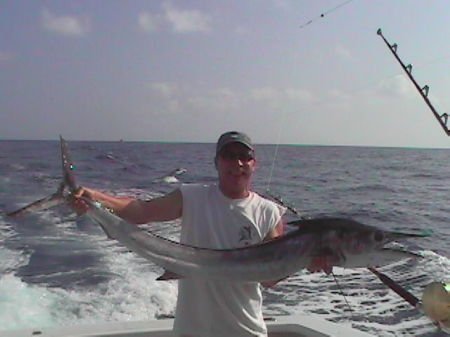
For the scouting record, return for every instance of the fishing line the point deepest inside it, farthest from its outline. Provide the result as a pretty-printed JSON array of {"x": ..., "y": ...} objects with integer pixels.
[
  {"x": 322, "y": 15},
  {"x": 277, "y": 145},
  {"x": 275, "y": 156},
  {"x": 373, "y": 83},
  {"x": 294, "y": 211},
  {"x": 342, "y": 292},
  {"x": 370, "y": 84},
  {"x": 297, "y": 213}
]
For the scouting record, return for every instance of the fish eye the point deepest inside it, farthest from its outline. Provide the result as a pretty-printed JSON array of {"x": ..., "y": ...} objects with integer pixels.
[
  {"x": 340, "y": 234},
  {"x": 378, "y": 236}
]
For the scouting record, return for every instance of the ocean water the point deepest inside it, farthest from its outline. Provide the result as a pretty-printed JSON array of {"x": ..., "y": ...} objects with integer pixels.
[{"x": 57, "y": 269}]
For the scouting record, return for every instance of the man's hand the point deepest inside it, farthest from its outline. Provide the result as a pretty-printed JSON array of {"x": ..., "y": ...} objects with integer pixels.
[{"x": 76, "y": 201}]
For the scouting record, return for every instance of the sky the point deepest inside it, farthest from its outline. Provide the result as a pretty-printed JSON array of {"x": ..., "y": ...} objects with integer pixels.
[{"x": 186, "y": 71}]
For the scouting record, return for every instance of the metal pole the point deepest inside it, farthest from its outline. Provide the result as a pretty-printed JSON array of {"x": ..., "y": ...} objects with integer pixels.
[{"x": 442, "y": 119}]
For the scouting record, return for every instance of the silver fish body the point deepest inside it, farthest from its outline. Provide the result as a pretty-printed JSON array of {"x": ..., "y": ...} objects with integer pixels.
[
  {"x": 339, "y": 242},
  {"x": 360, "y": 247}
]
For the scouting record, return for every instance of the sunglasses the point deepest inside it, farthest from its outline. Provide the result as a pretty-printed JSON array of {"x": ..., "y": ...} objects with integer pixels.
[{"x": 242, "y": 156}]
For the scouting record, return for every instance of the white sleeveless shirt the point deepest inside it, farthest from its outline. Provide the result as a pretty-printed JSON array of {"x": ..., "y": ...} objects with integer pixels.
[{"x": 211, "y": 220}]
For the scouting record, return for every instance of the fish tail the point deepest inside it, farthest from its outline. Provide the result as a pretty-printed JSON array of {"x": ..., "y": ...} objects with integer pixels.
[
  {"x": 67, "y": 166},
  {"x": 58, "y": 197},
  {"x": 53, "y": 200}
]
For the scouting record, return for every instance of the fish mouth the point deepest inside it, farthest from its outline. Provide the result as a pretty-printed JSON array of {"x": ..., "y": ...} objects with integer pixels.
[
  {"x": 400, "y": 251},
  {"x": 391, "y": 236}
]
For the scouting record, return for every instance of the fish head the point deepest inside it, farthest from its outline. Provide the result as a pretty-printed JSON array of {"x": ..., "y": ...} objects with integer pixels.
[
  {"x": 355, "y": 238},
  {"x": 362, "y": 240},
  {"x": 329, "y": 242}
]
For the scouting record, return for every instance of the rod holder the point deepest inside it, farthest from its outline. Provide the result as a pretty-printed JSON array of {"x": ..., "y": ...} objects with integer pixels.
[{"x": 444, "y": 118}]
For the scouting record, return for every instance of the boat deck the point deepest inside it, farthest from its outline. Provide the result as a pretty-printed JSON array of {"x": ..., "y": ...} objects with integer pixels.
[{"x": 283, "y": 326}]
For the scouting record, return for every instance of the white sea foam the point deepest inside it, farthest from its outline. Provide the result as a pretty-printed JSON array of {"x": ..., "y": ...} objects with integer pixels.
[
  {"x": 11, "y": 260},
  {"x": 435, "y": 265},
  {"x": 23, "y": 305},
  {"x": 360, "y": 297},
  {"x": 134, "y": 292},
  {"x": 131, "y": 294}
]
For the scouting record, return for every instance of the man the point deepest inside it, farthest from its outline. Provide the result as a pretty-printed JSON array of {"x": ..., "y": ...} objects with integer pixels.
[{"x": 223, "y": 216}]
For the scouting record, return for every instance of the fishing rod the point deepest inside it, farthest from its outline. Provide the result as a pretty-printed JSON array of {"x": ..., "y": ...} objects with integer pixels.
[
  {"x": 443, "y": 118},
  {"x": 435, "y": 302}
]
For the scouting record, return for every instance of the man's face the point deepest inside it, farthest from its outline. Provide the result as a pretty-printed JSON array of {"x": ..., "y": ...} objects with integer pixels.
[{"x": 235, "y": 165}]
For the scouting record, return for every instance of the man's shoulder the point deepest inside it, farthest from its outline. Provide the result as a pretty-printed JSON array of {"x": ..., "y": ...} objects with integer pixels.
[
  {"x": 263, "y": 199},
  {"x": 269, "y": 204},
  {"x": 195, "y": 188}
]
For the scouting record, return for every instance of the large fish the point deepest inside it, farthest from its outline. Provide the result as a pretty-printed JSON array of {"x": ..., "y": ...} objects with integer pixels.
[{"x": 316, "y": 242}]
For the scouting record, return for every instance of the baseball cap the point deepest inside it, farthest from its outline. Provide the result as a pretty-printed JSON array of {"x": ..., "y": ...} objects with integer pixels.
[{"x": 233, "y": 137}]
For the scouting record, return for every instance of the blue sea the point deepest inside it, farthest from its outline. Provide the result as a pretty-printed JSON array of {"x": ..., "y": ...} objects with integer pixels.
[{"x": 57, "y": 269}]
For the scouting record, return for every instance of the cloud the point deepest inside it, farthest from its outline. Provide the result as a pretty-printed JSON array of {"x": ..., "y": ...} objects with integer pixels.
[
  {"x": 163, "y": 89},
  {"x": 285, "y": 94},
  {"x": 149, "y": 22},
  {"x": 343, "y": 52},
  {"x": 241, "y": 30},
  {"x": 298, "y": 94},
  {"x": 221, "y": 100},
  {"x": 64, "y": 25},
  {"x": 5, "y": 56},
  {"x": 264, "y": 93},
  {"x": 398, "y": 86},
  {"x": 165, "y": 97},
  {"x": 338, "y": 94},
  {"x": 283, "y": 4},
  {"x": 176, "y": 97},
  {"x": 187, "y": 21}
]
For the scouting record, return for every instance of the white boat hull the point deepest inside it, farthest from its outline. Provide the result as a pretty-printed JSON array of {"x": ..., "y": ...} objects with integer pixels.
[{"x": 282, "y": 326}]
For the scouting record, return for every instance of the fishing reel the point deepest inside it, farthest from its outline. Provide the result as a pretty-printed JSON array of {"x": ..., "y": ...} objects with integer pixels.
[{"x": 436, "y": 304}]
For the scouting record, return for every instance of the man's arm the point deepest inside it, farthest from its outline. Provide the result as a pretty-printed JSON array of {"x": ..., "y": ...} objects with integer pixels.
[
  {"x": 165, "y": 208},
  {"x": 277, "y": 231}
]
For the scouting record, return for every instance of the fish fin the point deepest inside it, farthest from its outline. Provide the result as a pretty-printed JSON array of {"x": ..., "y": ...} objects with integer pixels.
[
  {"x": 58, "y": 197},
  {"x": 67, "y": 166},
  {"x": 45, "y": 203},
  {"x": 424, "y": 234},
  {"x": 323, "y": 263},
  {"x": 411, "y": 254},
  {"x": 271, "y": 284},
  {"x": 105, "y": 230},
  {"x": 168, "y": 275}
]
